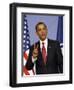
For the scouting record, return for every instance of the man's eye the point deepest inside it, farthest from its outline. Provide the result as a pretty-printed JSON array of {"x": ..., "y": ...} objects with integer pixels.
[
  {"x": 39, "y": 30},
  {"x": 44, "y": 28}
]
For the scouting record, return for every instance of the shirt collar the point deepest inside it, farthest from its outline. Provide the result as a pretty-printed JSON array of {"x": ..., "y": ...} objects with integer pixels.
[
  {"x": 45, "y": 41},
  {"x": 45, "y": 44}
]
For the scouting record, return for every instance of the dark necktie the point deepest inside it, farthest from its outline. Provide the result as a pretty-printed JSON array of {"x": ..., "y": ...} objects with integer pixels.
[{"x": 44, "y": 53}]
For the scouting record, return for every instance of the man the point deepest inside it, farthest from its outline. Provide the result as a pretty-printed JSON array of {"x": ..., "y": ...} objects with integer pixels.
[{"x": 46, "y": 54}]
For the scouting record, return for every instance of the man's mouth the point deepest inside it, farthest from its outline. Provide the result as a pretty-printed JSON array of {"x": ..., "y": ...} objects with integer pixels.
[{"x": 43, "y": 34}]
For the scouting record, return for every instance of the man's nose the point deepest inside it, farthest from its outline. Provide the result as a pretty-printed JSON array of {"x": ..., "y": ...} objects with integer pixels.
[{"x": 43, "y": 31}]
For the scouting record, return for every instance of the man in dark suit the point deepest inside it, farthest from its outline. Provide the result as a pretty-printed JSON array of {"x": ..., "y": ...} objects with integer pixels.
[{"x": 46, "y": 54}]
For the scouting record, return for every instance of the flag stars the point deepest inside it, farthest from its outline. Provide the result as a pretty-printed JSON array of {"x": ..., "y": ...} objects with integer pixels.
[
  {"x": 25, "y": 22},
  {"x": 27, "y": 42},
  {"x": 23, "y": 41},
  {"x": 24, "y": 36},
  {"x": 27, "y": 37},
  {"x": 25, "y": 27},
  {"x": 24, "y": 31},
  {"x": 27, "y": 46}
]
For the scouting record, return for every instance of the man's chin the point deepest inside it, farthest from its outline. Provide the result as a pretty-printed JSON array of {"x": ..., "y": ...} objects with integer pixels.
[{"x": 42, "y": 39}]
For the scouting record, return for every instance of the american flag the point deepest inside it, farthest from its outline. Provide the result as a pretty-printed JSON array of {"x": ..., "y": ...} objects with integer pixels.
[
  {"x": 60, "y": 32},
  {"x": 26, "y": 46}
]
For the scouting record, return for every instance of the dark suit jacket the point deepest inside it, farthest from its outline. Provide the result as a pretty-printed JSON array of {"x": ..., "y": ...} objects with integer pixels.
[{"x": 54, "y": 63}]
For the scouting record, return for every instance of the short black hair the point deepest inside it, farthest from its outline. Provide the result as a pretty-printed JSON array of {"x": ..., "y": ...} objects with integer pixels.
[{"x": 39, "y": 24}]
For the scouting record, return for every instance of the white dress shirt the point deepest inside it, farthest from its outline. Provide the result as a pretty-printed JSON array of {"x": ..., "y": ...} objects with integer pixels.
[{"x": 45, "y": 44}]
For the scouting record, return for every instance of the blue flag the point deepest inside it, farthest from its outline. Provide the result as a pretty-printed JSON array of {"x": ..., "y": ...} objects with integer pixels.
[{"x": 60, "y": 31}]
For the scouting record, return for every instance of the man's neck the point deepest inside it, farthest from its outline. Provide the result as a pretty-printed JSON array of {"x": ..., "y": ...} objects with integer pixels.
[{"x": 43, "y": 40}]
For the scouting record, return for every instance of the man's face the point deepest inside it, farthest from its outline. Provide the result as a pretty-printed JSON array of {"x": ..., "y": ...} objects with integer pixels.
[{"x": 41, "y": 32}]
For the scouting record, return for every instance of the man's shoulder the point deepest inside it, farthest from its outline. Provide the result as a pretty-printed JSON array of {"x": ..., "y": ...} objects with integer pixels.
[{"x": 52, "y": 41}]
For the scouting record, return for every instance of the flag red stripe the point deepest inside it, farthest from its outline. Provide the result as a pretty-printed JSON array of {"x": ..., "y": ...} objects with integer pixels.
[
  {"x": 25, "y": 56},
  {"x": 24, "y": 68},
  {"x": 25, "y": 71}
]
